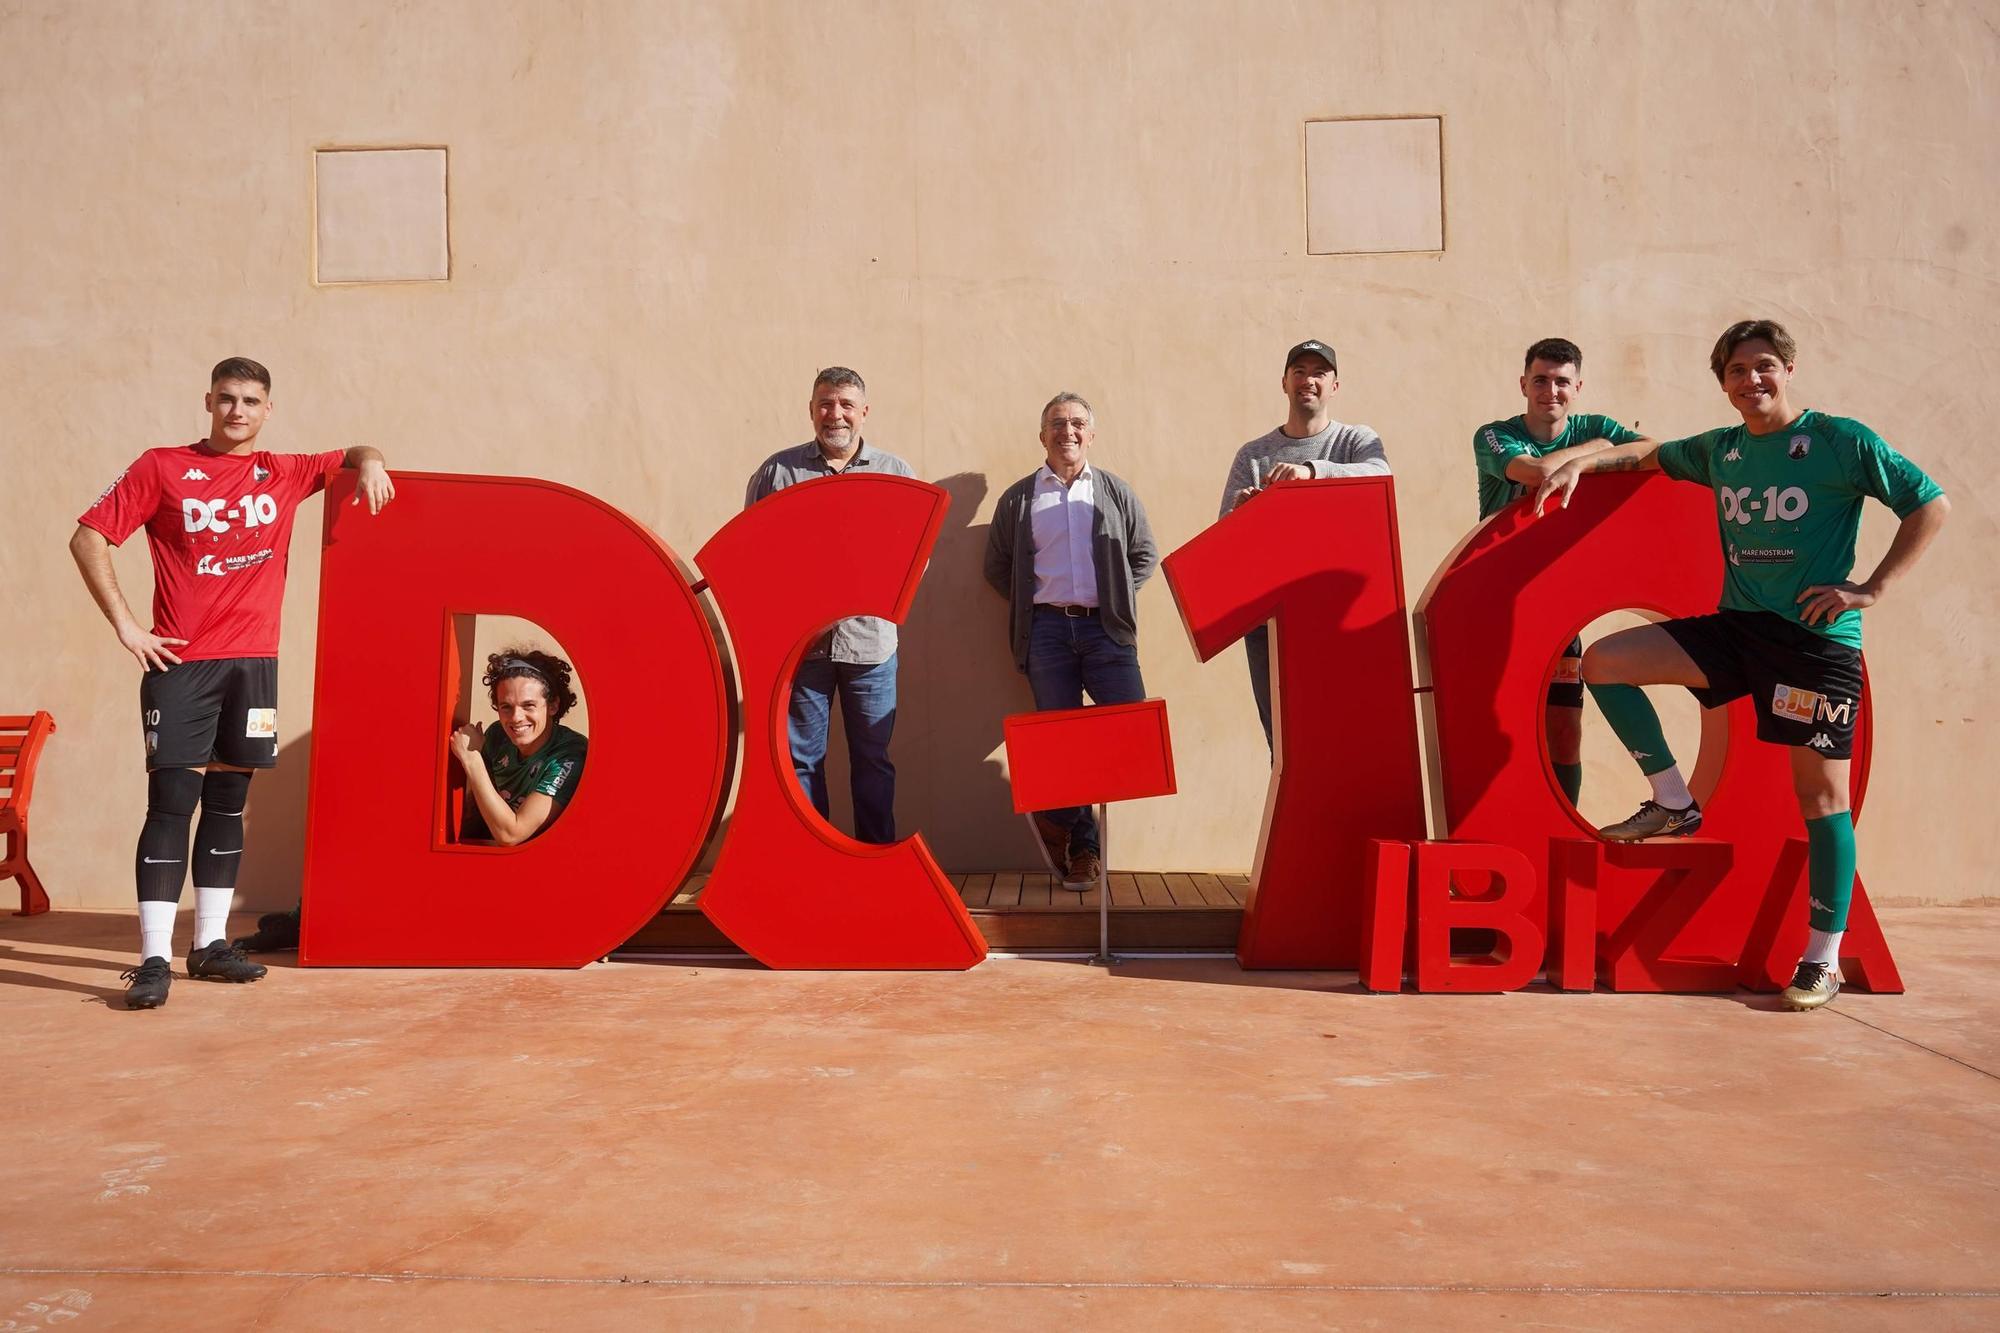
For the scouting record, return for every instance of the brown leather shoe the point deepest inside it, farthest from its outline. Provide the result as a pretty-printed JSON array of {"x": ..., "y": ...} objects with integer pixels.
[
  {"x": 1084, "y": 870},
  {"x": 1055, "y": 842}
]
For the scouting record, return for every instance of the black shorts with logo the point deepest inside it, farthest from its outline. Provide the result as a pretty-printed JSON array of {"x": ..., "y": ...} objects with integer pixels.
[
  {"x": 1566, "y": 689},
  {"x": 223, "y": 711},
  {"x": 1807, "y": 687}
]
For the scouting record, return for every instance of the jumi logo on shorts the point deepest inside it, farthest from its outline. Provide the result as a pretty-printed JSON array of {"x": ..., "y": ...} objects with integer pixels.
[
  {"x": 261, "y": 723},
  {"x": 1797, "y": 705}
]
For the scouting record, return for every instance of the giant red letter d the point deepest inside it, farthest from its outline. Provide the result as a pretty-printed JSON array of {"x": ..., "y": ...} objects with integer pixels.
[{"x": 383, "y": 885}]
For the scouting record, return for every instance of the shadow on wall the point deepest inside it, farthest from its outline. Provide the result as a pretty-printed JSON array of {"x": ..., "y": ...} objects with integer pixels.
[
  {"x": 958, "y": 682},
  {"x": 274, "y": 832}
]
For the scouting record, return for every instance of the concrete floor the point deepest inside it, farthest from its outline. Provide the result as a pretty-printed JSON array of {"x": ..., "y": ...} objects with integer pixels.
[{"x": 1174, "y": 1145}]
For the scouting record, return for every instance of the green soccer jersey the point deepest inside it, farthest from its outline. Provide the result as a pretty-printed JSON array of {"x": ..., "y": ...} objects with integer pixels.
[
  {"x": 552, "y": 770},
  {"x": 1498, "y": 443},
  {"x": 1789, "y": 506}
]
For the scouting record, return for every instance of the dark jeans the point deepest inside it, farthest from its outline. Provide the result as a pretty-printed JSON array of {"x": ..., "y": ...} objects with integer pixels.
[
  {"x": 868, "y": 712},
  {"x": 1257, "y": 647},
  {"x": 1066, "y": 656}
]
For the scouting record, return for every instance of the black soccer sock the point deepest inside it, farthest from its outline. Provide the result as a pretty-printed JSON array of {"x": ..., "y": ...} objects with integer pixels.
[
  {"x": 160, "y": 864},
  {"x": 218, "y": 851},
  {"x": 218, "y": 839}
]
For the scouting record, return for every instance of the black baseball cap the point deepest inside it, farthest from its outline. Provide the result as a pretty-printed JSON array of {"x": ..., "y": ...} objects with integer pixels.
[{"x": 1315, "y": 347}]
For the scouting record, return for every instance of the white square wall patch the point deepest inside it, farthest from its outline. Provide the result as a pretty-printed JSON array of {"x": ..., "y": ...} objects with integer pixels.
[
  {"x": 1374, "y": 186},
  {"x": 380, "y": 215}
]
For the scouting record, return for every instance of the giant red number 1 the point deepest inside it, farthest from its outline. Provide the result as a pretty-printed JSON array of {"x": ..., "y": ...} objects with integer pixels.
[{"x": 1321, "y": 560}]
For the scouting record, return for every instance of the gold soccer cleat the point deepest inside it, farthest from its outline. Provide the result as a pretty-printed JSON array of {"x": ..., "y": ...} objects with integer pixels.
[{"x": 1812, "y": 986}]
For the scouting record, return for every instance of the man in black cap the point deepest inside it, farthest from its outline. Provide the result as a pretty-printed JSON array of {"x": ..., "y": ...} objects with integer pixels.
[{"x": 1310, "y": 444}]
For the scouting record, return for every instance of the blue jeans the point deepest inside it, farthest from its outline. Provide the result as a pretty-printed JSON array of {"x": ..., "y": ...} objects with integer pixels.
[
  {"x": 1257, "y": 647},
  {"x": 868, "y": 712},
  {"x": 1066, "y": 656}
]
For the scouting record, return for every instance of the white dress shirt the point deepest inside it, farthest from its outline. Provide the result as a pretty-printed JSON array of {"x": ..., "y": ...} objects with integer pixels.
[{"x": 1062, "y": 518}]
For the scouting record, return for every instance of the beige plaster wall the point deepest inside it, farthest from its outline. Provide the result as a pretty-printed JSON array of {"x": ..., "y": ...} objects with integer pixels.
[{"x": 665, "y": 216}]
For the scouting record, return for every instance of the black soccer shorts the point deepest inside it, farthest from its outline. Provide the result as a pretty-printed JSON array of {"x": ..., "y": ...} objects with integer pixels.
[
  {"x": 1807, "y": 687},
  {"x": 1566, "y": 688},
  {"x": 222, "y": 711}
]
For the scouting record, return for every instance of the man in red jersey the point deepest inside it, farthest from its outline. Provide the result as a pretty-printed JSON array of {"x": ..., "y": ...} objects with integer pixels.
[{"x": 218, "y": 520}]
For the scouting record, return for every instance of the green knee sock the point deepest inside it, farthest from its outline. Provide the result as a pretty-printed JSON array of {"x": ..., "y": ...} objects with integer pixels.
[
  {"x": 1636, "y": 725},
  {"x": 1830, "y": 842},
  {"x": 1570, "y": 778}
]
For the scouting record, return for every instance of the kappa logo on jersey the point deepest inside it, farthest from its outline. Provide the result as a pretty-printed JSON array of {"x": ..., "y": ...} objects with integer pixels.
[
  {"x": 219, "y": 515},
  {"x": 230, "y": 564},
  {"x": 1795, "y": 704},
  {"x": 194, "y": 474},
  {"x": 260, "y": 723},
  {"x": 1821, "y": 741},
  {"x": 1735, "y": 455},
  {"x": 1801, "y": 446}
]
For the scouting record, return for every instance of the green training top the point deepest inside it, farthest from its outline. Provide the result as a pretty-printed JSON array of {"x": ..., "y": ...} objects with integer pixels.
[
  {"x": 1498, "y": 443},
  {"x": 1789, "y": 506},
  {"x": 552, "y": 770}
]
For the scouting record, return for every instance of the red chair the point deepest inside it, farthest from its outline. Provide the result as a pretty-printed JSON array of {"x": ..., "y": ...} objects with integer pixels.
[{"x": 21, "y": 741}]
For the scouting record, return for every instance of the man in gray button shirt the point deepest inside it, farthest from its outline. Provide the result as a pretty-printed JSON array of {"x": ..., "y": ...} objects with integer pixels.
[
  {"x": 857, "y": 657},
  {"x": 1310, "y": 444}
]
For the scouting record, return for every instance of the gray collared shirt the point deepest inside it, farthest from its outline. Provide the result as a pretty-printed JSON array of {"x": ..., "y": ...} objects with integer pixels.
[{"x": 861, "y": 640}]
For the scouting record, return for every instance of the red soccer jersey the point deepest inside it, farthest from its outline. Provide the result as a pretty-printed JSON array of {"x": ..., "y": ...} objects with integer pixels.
[{"x": 220, "y": 530}]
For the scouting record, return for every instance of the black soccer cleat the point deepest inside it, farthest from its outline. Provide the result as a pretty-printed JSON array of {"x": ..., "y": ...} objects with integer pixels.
[
  {"x": 222, "y": 961},
  {"x": 149, "y": 984},
  {"x": 276, "y": 932}
]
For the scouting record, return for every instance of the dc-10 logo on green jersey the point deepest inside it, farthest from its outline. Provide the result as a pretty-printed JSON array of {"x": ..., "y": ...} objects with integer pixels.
[{"x": 1777, "y": 506}]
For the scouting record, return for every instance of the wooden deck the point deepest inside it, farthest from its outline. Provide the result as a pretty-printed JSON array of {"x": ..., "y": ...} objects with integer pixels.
[{"x": 1025, "y": 910}]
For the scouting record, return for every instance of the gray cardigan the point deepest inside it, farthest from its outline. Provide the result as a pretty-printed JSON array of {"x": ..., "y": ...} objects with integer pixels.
[{"x": 1121, "y": 547}]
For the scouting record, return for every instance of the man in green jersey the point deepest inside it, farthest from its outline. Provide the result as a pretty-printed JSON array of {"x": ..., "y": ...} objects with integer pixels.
[
  {"x": 1523, "y": 452},
  {"x": 519, "y": 773},
  {"x": 1788, "y": 488}
]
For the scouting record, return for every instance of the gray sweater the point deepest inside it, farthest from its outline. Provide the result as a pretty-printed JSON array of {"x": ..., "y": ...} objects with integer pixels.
[
  {"x": 1338, "y": 451},
  {"x": 1121, "y": 549}
]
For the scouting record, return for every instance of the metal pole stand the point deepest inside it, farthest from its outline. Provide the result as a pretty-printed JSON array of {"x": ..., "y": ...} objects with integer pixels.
[{"x": 1105, "y": 958}]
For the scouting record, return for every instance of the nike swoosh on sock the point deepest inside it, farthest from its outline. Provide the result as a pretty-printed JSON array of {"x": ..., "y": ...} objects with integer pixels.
[{"x": 155, "y": 861}]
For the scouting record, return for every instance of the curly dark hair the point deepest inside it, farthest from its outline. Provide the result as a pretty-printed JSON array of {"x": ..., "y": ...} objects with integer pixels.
[{"x": 549, "y": 669}]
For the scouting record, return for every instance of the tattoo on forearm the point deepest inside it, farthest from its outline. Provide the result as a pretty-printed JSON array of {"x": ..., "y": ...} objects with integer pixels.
[{"x": 1603, "y": 464}]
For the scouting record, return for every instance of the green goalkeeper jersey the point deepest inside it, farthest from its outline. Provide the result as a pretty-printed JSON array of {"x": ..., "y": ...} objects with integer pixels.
[
  {"x": 1498, "y": 443},
  {"x": 1788, "y": 505},
  {"x": 552, "y": 770}
]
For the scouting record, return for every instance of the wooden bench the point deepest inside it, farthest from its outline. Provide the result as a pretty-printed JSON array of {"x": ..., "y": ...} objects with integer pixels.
[{"x": 21, "y": 741}]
